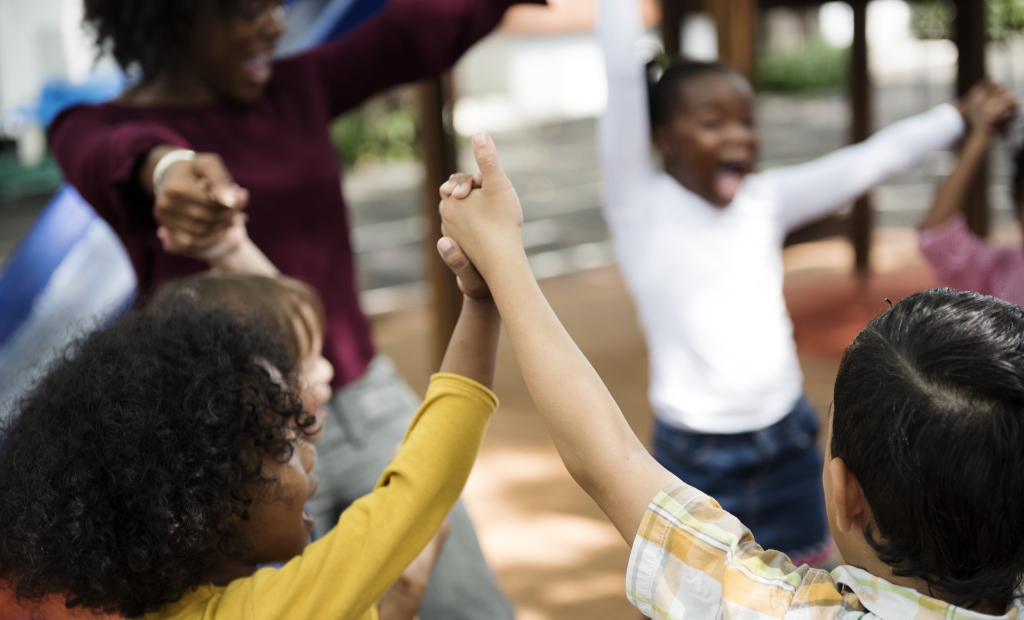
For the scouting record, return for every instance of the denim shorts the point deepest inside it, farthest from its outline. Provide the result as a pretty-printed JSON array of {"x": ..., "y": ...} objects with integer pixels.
[{"x": 769, "y": 479}]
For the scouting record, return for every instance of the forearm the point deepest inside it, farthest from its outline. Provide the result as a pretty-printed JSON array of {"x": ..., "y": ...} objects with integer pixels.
[
  {"x": 247, "y": 258},
  {"x": 596, "y": 444},
  {"x": 952, "y": 195},
  {"x": 473, "y": 349},
  {"x": 144, "y": 178}
]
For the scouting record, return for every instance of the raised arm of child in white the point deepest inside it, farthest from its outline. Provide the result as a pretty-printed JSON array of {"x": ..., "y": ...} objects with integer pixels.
[
  {"x": 809, "y": 191},
  {"x": 596, "y": 444},
  {"x": 624, "y": 132}
]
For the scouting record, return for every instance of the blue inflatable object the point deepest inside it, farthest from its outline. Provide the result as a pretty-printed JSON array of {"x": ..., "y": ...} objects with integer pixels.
[{"x": 70, "y": 273}]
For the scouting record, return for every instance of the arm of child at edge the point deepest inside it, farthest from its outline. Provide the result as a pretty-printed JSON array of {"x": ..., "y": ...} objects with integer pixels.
[
  {"x": 593, "y": 438},
  {"x": 988, "y": 107}
]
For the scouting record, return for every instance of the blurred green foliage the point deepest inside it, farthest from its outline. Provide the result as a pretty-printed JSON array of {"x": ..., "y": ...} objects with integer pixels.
[
  {"x": 383, "y": 129},
  {"x": 933, "y": 19},
  {"x": 815, "y": 66},
  {"x": 1005, "y": 17}
]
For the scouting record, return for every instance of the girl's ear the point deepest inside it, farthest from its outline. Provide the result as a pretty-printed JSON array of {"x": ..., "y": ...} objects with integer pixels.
[{"x": 852, "y": 509}]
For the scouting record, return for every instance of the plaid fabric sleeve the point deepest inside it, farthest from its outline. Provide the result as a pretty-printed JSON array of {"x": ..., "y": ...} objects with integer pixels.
[{"x": 693, "y": 560}]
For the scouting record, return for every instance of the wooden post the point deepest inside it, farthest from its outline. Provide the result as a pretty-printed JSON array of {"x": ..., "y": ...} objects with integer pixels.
[
  {"x": 860, "y": 129},
  {"x": 437, "y": 138},
  {"x": 970, "y": 40},
  {"x": 672, "y": 12},
  {"x": 736, "y": 23}
]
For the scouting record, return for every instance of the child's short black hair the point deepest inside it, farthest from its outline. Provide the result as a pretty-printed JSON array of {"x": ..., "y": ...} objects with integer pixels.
[
  {"x": 929, "y": 417},
  {"x": 665, "y": 78},
  {"x": 135, "y": 457}
]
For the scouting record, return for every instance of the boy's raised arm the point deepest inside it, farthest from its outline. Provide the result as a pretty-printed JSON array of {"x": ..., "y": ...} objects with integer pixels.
[{"x": 596, "y": 444}]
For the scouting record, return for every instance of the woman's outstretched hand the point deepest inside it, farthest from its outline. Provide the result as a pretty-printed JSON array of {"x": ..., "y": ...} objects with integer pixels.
[{"x": 196, "y": 203}]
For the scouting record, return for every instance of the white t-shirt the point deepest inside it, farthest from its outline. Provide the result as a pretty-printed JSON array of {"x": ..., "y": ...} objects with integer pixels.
[{"x": 707, "y": 281}]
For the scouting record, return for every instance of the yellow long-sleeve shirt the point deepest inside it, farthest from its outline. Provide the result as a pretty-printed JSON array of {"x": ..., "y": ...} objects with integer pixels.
[{"x": 343, "y": 575}]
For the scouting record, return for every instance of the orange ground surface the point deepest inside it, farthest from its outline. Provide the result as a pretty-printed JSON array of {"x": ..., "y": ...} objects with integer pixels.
[{"x": 554, "y": 552}]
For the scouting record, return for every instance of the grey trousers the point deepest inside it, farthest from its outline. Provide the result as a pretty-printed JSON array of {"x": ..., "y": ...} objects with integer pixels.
[{"x": 367, "y": 420}]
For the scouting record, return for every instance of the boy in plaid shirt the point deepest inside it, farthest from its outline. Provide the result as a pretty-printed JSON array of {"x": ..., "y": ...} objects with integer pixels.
[{"x": 923, "y": 476}]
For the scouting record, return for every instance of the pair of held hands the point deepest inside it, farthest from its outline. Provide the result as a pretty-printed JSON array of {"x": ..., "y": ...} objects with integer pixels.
[
  {"x": 988, "y": 108},
  {"x": 199, "y": 209},
  {"x": 481, "y": 221}
]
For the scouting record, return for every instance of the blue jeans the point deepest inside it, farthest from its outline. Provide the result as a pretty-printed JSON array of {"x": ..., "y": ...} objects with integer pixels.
[{"x": 769, "y": 479}]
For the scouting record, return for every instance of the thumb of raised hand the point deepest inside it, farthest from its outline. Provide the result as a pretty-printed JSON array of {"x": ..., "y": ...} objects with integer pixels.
[{"x": 487, "y": 159}]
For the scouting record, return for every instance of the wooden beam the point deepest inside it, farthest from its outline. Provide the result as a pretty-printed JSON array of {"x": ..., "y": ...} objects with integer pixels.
[
  {"x": 860, "y": 129},
  {"x": 437, "y": 139},
  {"x": 970, "y": 40},
  {"x": 672, "y": 12},
  {"x": 736, "y": 23}
]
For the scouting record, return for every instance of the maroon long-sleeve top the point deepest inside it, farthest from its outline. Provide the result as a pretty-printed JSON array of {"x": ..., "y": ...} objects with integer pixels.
[{"x": 279, "y": 149}]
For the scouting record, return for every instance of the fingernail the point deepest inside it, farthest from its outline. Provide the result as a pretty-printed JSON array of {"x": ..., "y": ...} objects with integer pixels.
[
  {"x": 445, "y": 244},
  {"x": 228, "y": 196},
  {"x": 480, "y": 139}
]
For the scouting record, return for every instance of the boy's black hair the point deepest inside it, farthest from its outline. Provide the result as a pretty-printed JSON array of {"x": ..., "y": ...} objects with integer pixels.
[
  {"x": 143, "y": 34},
  {"x": 133, "y": 460},
  {"x": 1017, "y": 191},
  {"x": 929, "y": 417},
  {"x": 665, "y": 78}
]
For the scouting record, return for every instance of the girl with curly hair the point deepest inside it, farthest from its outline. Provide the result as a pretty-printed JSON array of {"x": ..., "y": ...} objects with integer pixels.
[
  {"x": 212, "y": 124},
  {"x": 163, "y": 459}
]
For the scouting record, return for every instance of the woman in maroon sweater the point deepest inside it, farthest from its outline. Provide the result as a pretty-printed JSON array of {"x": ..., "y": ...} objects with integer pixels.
[{"x": 237, "y": 130}]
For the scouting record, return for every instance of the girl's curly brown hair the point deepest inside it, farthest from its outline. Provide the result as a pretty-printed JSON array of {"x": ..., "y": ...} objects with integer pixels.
[{"x": 134, "y": 459}]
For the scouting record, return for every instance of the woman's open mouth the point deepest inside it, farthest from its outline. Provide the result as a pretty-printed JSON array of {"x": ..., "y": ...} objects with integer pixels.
[{"x": 258, "y": 68}]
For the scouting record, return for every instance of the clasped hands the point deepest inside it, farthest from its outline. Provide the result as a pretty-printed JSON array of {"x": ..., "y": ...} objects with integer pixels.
[
  {"x": 198, "y": 208},
  {"x": 481, "y": 221}
]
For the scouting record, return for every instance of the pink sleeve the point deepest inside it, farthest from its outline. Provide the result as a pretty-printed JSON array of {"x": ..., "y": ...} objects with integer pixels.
[
  {"x": 961, "y": 259},
  {"x": 100, "y": 157}
]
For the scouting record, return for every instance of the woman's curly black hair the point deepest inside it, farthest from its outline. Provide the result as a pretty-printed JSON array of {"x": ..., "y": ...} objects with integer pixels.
[
  {"x": 134, "y": 459},
  {"x": 143, "y": 34}
]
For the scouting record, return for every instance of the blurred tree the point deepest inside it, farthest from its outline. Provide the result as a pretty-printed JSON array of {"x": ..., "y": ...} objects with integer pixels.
[
  {"x": 382, "y": 129},
  {"x": 933, "y": 19},
  {"x": 815, "y": 66},
  {"x": 1005, "y": 17}
]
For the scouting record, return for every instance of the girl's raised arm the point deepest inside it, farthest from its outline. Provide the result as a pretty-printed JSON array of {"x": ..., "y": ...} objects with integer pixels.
[{"x": 624, "y": 131}]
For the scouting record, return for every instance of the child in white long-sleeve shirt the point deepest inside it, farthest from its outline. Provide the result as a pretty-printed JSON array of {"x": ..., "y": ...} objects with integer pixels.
[{"x": 699, "y": 247}]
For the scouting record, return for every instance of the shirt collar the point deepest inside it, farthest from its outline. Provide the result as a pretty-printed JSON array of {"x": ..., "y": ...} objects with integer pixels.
[{"x": 891, "y": 602}]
